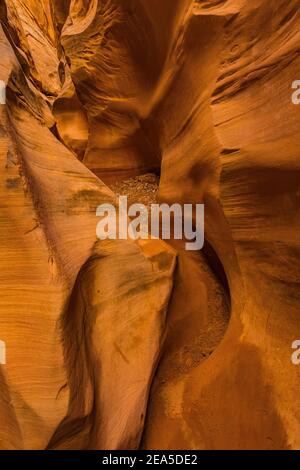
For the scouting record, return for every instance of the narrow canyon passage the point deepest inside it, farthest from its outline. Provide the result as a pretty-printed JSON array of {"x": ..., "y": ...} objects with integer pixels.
[{"x": 197, "y": 319}]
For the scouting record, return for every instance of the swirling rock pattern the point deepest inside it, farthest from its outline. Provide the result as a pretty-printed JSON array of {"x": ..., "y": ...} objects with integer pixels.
[{"x": 199, "y": 91}]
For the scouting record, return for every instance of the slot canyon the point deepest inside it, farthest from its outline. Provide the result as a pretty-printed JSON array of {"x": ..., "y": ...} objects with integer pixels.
[{"x": 141, "y": 344}]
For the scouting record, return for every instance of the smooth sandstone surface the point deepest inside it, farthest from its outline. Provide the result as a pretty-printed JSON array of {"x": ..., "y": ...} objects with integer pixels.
[
  {"x": 82, "y": 320},
  {"x": 199, "y": 91}
]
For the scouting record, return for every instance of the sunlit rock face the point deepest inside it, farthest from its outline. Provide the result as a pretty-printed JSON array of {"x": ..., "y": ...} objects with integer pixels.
[
  {"x": 200, "y": 92},
  {"x": 82, "y": 320}
]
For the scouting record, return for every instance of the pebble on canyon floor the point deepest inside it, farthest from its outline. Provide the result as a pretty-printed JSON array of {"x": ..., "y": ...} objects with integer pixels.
[{"x": 140, "y": 189}]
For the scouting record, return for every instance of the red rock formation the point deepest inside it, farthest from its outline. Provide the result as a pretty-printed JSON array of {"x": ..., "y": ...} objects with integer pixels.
[
  {"x": 199, "y": 91},
  {"x": 83, "y": 321}
]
